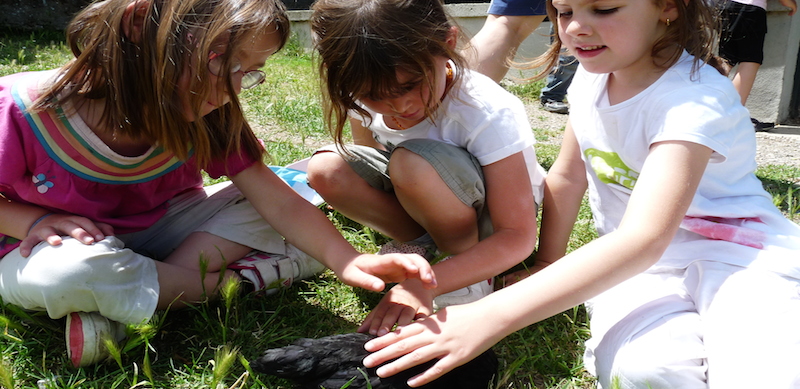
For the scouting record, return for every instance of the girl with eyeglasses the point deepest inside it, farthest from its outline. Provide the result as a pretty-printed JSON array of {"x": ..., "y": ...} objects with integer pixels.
[{"x": 104, "y": 217}]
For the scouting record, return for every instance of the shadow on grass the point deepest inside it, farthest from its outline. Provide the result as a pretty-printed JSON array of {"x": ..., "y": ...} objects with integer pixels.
[{"x": 181, "y": 350}]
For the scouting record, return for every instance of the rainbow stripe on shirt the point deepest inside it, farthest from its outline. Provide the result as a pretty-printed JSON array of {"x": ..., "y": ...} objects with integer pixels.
[{"x": 70, "y": 150}]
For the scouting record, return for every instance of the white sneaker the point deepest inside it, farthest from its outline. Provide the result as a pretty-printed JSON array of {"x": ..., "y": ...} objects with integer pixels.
[
  {"x": 268, "y": 272},
  {"x": 466, "y": 295},
  {"x": 86, "y": 332}
]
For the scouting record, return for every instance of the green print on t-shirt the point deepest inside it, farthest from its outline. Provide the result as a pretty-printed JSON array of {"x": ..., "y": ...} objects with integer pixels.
[{"x": 610, "y": 169}]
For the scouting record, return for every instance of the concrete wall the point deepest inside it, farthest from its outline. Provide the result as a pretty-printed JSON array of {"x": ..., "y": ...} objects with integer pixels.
[
  {"x": 769, "y": 101},
  {"x": 470, "y": 18},
  {"x": 771, "y": 95}
]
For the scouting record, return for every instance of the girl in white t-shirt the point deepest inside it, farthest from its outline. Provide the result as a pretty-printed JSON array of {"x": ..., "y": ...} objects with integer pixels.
[
  {"x": 437, "y": 149},
  {"x": 694, "y": 281}
]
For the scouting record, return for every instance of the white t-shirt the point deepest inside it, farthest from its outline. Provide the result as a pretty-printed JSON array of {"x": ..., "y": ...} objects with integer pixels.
[
  {"x": 481, "y": 117},
  {"x": 757, "y": 3},
  {"x": 730, "y": 204}
]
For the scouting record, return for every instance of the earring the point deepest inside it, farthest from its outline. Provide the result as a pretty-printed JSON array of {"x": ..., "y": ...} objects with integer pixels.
[{"x": 667, "y": 22}]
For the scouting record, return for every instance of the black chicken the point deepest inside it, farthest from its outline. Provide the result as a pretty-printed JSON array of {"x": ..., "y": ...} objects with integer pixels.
[{"x": 332, "y": 362}]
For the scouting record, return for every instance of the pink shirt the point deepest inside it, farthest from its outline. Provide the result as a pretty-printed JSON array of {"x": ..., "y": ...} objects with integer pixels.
[{"x": 56, "y": 162}]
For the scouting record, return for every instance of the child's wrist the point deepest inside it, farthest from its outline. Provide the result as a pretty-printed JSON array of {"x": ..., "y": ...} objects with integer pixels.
[{"x": 37, "y": 221}]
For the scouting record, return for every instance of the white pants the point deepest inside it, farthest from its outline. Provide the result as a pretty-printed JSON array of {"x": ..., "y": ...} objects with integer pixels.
[
  {"x": 117, "y": 276},
  {"x": 711, "y": 325}
]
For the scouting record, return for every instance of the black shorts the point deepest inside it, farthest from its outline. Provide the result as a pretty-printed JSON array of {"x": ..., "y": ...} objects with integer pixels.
[{"x": 744, "y": 27}]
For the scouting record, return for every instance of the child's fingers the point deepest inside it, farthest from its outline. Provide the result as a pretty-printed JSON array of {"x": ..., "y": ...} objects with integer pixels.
[
  {"x": 88, "y": 231},
  {"x": 369, "y": 282},
  {"x": 418, "y": 355},
  {"x": 409, "y": 352},
  {"x": 105, "y": 230},
  {"x": 399, "y": 314},
  {"x": 416, "y": 267},
  {"x": 438, "y": 369},
  {"x": 27, "y": 244},
  {"x": 374, "y": 319},
  {"x": 379, "y": 346},
  {"x": 365, "y": 325}
]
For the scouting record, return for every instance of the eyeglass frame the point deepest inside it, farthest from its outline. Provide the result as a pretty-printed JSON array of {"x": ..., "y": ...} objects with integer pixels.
[{"x": 250, "y": 78}]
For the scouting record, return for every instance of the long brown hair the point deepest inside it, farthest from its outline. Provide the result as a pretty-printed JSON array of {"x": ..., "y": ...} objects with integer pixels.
[
  {"x": 362, "y": 44},
  {"x": 695, "y": 30},
  {"x": 138, "y": 78}
]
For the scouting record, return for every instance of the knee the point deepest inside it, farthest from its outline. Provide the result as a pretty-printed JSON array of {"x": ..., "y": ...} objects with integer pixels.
[
  {"x": 73, "y": 276},
  {"x": 73, "y": 262},
  {"x": 327, "y": 174},
  {"x": 408, "y": 170}
]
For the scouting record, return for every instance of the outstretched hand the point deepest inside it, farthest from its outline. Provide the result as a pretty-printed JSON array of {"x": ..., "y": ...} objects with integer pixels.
[
  {"x": 52, "y": 227},
  {"x": 404, "y": 303},
  {"x": 455, "y": 335},
  {"x": 372, "y": 272}
]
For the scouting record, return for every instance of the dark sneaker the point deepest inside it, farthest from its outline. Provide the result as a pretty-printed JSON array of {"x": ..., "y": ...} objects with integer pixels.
[
  {"x": 762, "y": 126},
  {"x": 555, "y": 106}
]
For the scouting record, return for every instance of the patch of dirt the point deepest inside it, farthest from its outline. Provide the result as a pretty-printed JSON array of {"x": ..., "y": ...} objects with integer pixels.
[{"x": 780, "y": 146}]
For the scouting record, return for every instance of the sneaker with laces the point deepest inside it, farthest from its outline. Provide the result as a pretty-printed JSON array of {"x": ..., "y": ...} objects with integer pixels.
[
  {"x": 397, "y": 247},
  {"x": 87, "y": 333},
  {"x": 555, "y": 106},
  {"x": 466, "y": 295},
  {"x": 268, "y": 272}
]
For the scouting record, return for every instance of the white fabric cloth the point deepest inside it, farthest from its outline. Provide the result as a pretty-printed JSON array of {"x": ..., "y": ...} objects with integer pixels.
[
  {"x": 103, "y": 277},
  {"x": 757, "y": 3},
  {"x": 711, "y": 325},
  {"x": 481, "y": 117},
  {"x": 732, "y": 268}
]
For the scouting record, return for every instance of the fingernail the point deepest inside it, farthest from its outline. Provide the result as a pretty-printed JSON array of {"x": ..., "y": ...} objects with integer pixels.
[{"x": 382, "y": 332}]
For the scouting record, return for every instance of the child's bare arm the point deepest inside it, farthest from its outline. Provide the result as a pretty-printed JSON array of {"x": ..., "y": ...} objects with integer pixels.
[
  {"x": 305, "y": 226},
  {"x": 32, "y": 224},
  {"x": 362, "y": 135},
  {"x": 653, "y": 215},
  {"x": 791, "y": 4},
  {"x": 510, "y": 200}
]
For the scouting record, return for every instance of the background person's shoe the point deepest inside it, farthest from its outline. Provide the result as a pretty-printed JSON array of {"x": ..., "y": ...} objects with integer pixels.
[
  {"x": 762, "y": 126},
  {"x": 397, "y": 247},
  {"x": 268, "y": 272},
  {"x": 555, "y": 106},
  {"x": 466, "y": 295},
  {"x": 86, "y": 335}
]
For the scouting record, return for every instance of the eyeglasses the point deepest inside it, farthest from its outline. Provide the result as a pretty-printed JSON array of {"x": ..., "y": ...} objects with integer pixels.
[{"x": 250, "y": 79}]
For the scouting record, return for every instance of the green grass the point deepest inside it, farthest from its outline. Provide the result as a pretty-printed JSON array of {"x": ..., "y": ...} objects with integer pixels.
[{"x": 208, "y": 345}]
